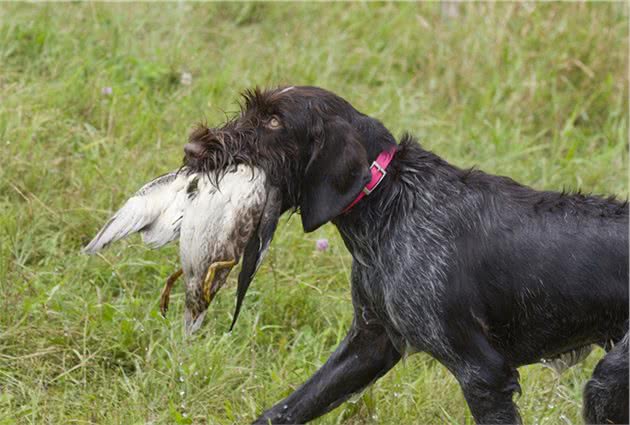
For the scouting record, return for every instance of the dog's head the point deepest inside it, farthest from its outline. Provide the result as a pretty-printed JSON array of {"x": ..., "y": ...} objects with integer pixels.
[{"x": 312, "y": 144}]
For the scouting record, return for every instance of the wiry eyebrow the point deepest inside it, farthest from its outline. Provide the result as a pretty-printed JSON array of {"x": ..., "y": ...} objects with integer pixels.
[{"x": 286, "y": 89}]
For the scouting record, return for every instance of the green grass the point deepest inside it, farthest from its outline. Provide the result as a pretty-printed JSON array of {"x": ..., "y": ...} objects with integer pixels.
[{"x": 534, "y": 91}]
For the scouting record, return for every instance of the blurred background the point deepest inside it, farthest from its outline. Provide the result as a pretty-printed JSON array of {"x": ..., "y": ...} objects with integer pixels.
[{"x": 96, "y": 99}]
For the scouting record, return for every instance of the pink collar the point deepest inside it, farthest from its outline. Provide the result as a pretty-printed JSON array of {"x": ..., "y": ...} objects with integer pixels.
[{"x": 378, "y": 170}]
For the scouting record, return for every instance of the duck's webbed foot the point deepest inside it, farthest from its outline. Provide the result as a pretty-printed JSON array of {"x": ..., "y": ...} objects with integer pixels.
[
  {"x": 212, "y": 270},
  {"x": 166, "y": 292}
]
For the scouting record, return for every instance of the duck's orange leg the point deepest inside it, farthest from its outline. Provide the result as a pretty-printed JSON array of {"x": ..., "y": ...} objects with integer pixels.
[
  {"x": 207, "y": 283},
  {"x": 166, "y": 292}
]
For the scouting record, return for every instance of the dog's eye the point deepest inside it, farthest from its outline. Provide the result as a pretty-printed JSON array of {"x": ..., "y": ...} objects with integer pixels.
[{"x": 274, "y": 123}]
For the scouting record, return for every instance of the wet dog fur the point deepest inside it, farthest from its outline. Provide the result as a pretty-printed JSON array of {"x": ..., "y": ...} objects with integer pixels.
[{"x": 483, "y": 273}]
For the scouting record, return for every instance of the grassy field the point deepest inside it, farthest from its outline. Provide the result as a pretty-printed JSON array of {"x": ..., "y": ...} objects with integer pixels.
[{"x": 96, "y": 99}]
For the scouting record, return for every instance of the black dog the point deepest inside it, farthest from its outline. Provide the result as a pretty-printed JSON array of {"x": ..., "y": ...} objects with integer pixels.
[{"x": 481, "y": 272}]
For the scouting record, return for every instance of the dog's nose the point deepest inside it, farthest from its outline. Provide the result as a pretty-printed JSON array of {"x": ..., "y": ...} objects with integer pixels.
[{"x": 193, "y": 150}]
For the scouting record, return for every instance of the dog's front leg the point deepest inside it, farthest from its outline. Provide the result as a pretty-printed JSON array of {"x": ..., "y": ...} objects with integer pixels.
[{"x": 364, "y": 355}]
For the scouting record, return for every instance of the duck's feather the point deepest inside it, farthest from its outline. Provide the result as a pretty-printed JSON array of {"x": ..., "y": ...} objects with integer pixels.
[
  {"x": 155, "y": 211},
  {"x": 257, "y": 246},
  {"x": 219, "y": 221}
]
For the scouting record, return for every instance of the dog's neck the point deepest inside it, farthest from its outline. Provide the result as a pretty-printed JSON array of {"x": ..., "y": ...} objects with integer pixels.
[
  {"x": 417, "y": 195},
  {"x": 378, "y": 170},
  {"x": 424, "y": 193}
]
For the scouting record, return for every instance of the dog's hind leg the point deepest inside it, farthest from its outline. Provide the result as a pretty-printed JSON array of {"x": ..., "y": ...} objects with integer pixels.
[
  {"x": 487, "y": 380},
  {"x": 364, "y": 355},
  {"x": 606, "y": 394}
]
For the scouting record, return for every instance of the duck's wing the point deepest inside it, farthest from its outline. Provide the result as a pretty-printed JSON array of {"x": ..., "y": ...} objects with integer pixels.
[
  {"x": 257, "y": 246},
  {"x": 155, "y": 211}
]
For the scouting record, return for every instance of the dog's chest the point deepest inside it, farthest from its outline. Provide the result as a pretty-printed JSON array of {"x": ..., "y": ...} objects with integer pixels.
[
  {"x": 403, "y": 292},
  {"x": 399, "y": 274},
  {"x": 370, "y": 297}
]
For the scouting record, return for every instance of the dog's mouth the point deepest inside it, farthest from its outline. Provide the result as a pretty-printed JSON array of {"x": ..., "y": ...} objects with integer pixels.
[{"x": 217, "y": 151}]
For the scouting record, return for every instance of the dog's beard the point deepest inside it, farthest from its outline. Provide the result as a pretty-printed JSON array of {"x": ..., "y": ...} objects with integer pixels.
[
  {"x": 224, "y": 149},
  {"x": 221, "y": 152}
]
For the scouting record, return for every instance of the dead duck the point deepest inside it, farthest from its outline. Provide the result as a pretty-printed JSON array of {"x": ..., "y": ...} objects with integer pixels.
[{"x": 216, "y": 220}]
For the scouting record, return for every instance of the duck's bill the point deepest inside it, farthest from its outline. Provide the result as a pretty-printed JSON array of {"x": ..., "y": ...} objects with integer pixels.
[{"x": 193, "y": 321}]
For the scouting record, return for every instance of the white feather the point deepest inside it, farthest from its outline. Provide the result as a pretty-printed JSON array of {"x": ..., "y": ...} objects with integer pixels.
[
  {"x": 214, "y": 215},
  {"x": 155, "y": 211}
]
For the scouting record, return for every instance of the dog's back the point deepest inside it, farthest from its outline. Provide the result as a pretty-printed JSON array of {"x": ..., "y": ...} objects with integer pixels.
[
  {"x": 551, "y": 267},
  {"x": 543, "y": 272}
]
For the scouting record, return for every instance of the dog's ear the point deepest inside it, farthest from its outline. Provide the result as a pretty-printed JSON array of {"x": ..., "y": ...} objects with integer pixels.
[{"x": 336, "y": 172}]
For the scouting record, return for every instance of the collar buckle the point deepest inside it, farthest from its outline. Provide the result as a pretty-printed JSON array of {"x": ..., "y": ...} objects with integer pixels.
[{"x": 376, "y": 165}]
